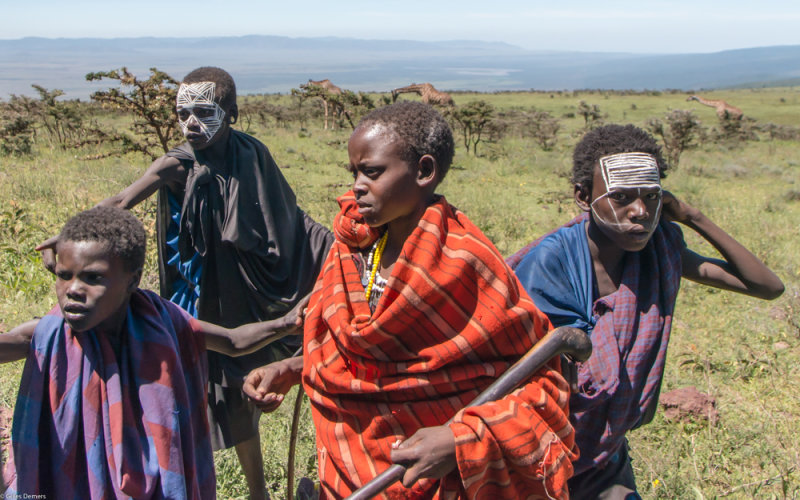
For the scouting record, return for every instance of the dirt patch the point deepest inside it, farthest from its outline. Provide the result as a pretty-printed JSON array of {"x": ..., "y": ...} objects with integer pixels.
[
  {"x": 778, "y": 313},
  {"x": 687, "y": 403}
]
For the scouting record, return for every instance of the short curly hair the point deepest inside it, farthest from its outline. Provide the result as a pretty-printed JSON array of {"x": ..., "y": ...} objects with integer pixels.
[
  {"x": 609, "y": 140},
  {"x": 225, "y": 90},
  {"x": 422, "y": 129},
  {"x": 118, "y": 229}
]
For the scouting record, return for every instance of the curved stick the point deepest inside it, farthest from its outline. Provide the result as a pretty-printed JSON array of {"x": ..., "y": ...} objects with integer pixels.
[{"x": 563, "y": 340}]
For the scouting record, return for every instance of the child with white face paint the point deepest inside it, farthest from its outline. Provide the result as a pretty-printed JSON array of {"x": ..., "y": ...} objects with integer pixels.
[
  {"x": 197, "y": 108},
  {"x": 234, "y": 247},
  {"x": 615, "y": 271}
]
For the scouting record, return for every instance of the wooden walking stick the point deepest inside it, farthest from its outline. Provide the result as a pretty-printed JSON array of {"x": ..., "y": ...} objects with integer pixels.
[
  {"x": 567, "y": 340},
  {"x": 298, "y": 403}
]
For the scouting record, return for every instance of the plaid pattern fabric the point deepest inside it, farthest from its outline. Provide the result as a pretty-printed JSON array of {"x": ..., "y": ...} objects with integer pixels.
[
  {"x": 86, "y": 427},
  {"x": 452, "y": 318},
  {"x": 629, "y": 329}
]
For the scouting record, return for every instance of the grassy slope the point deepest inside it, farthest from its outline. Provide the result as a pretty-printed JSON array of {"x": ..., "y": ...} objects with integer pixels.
[{"x": 722, "y": 343}]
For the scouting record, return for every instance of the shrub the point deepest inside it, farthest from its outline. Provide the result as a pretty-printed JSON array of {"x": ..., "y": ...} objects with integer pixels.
[
  {"x": 678, "y": 132},
  {"x": 592, "y": 117},
  {"x": 471, "y": 120},
  {"x": 152, "y": 104},
  {"x": 16, "y": 127}
]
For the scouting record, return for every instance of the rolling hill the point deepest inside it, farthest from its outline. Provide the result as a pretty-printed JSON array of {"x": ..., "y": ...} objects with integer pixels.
[{"x": 270, "y": 64}]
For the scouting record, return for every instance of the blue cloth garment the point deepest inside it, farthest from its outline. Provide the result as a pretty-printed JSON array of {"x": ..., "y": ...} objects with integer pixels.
[{"x": 620, "y": 383}]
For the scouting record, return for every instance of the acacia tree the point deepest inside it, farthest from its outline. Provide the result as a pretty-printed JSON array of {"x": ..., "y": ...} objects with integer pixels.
[
  {"x": 471, "y": 120},
  {"x": 152, "y": 104},
  {"x": 63, "y": 121},
  {"x": 16, "y": 126},
  {"x": 678, "y": 132},
  {"x": 347, "y": 104},
  {"x": 543, "y": 128},
  {"x": 592, "y": 117}
]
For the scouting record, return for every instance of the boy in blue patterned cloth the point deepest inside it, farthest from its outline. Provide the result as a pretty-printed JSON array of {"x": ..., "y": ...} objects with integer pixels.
[
  {"x": 234, "y": 247},
  {"x": 614, "y": 271}
]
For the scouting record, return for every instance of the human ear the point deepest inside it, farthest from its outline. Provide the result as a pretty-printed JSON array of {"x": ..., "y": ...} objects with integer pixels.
[
  {"x": 136, "y": 277},
  {"x": 583, "y": 197},
  {"x": 427, "y": 168},
  {"x": 233, "y": 114}
]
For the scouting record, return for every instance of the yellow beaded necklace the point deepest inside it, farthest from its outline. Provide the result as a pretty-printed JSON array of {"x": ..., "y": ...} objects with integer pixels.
[{"x": 375, "y": 260}]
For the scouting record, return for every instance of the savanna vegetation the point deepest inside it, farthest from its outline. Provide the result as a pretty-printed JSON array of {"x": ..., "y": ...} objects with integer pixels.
[{"x": 510, "y": 176}]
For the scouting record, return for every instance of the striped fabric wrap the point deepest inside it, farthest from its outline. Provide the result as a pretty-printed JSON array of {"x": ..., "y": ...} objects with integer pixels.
[
  {"x": 630, "y": 328},
  {"x": 452, "y": 318},
  {"x": 86, "y": 427}
]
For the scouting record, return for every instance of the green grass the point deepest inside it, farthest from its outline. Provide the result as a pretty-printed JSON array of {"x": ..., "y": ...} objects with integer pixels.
[{"x": 724, "y": 344}]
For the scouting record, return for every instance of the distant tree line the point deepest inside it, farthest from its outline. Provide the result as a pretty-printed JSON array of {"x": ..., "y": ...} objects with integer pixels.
[{"x": 152, "y": 129}]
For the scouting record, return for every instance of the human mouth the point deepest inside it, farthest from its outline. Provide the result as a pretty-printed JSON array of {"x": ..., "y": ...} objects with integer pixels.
[
  {"x": 638, "y": 234},
  {"x": 74, "y": 312},
  {"x": 195, "y": 137}
]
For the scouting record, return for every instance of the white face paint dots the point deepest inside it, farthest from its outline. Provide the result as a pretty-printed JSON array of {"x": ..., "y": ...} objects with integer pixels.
[
  {"x": 627, "y": 175},
  {"x": 196, "y": 106}
]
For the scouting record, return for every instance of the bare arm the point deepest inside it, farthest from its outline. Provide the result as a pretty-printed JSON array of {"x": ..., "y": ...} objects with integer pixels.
[
  {"x": 246, "y": 338},
  {"x": 253, "y": 336},
  {"x": 165, "y": 171},
  {"x": 15, "y": 344},
  {"x": 740, "y": 271}
]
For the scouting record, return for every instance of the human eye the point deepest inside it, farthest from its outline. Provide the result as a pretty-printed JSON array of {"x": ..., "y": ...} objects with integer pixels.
[
  {"x": 655, "y": 195},
  {"x": 183, "y": 114},
  {"x": 93, "y": 278},
  {"x": 372, "y": 172},
  {"x": 63, "y": 275},
  {"x": 618, "y": 196},
  {"x": 204, "y": 112}
]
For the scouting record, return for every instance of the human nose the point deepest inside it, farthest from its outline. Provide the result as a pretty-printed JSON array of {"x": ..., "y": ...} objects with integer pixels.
[
  {"x": 192, "y": 121},
  {"x": 637, "y": 209},
  {"x": 75, "y": 289},
  {"x": 359, "y": 186}
]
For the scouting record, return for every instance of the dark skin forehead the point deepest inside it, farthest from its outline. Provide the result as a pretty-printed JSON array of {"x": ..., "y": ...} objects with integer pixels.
[{"x": 101, "y": 249}]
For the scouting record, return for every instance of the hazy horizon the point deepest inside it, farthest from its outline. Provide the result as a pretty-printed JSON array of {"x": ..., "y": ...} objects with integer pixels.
[
  {"x": 263, "y": 64},
  {"x": 657, "y": 27}
]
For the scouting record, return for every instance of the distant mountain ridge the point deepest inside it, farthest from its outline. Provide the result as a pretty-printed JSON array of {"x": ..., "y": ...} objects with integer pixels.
[{"x": 268, "y": 64}]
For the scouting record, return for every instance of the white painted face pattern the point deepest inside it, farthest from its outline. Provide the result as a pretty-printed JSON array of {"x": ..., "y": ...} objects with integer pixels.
[
  {"x": 629, "y": 171},
  {"x": 198, "y": 100}
]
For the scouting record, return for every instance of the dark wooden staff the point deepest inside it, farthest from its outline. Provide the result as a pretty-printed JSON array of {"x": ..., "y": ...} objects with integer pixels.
[{"x": 567, "y": 340}]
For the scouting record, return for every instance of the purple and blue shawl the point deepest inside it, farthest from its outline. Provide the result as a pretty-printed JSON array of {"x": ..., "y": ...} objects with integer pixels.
[
  {"x": 89, "y": 427},
  {"x": 620, "y": 383}
]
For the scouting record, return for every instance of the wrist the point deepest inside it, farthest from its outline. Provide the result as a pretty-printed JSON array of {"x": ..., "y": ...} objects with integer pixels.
[
  {"x": 693, "y": 217},
  {"x": 294, "y": 364}
]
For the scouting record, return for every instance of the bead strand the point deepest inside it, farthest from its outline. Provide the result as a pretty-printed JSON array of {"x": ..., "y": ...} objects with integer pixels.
[{"x": 375, "y": 260}]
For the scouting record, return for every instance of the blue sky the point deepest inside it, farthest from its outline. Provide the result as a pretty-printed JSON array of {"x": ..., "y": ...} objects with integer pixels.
[{"x": 613, "y": 25}]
